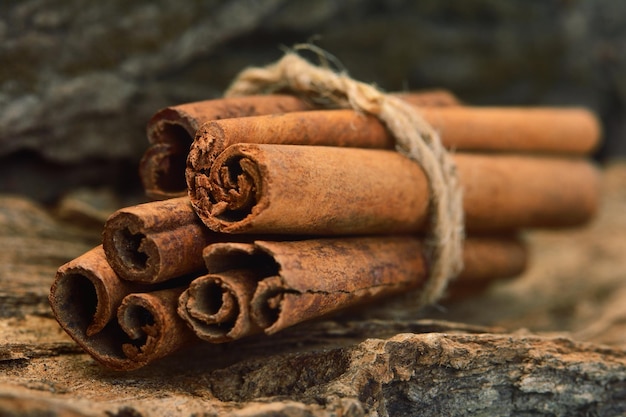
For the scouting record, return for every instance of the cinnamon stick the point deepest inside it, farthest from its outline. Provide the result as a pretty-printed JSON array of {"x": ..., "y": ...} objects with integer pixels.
[
  {"x": 153, "y": 326},
  {"x": 156, "y": 241},
  {"x": 120, "y": 329},
  {"x": 217, "y": 306},
  {"x": 303, "y": 280},
  {"x": 86, "y": 293},
  {"x": 326, "y": 190},
  {"x": 171, "y": 131},
  {"x": 552, "y": 130},
  {"x": 491, "y": 257},
  {"x": 572, "y": 131}
]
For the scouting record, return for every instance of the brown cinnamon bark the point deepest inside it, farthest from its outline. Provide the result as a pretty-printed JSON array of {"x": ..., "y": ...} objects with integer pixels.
[
  {"x": 572, "y": 131},
  {"x": 171, "y": 131},
  {"x": 303, "y": 280},
  {"x": 217, "y": 306},
  {"x": 118, "y": 328},
  {"x": 327, "y": 190},
  {"x": 334, "y": 274},
  {"x": 153, "y": 326},
  {"x": 553, "y": 130},
  {"x": 86, "y": 293},
  {"x": 487, "y": 259},
  {"x": 156, "y": 241}
]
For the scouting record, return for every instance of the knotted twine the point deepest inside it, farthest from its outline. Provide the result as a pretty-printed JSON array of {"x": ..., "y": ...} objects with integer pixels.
[{"x": 414, "y": 138}]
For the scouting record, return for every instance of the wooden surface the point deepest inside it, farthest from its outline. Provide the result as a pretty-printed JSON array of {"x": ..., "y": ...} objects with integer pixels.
[{"x": 551, "y": 342}]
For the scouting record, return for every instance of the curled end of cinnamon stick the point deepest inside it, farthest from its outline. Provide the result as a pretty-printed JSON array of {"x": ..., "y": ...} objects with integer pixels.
[
  {"x": 84, "y": 299},
  {"x": 85, "y": 294},
  {"x": 217, "y": 306},
  {"x": 245, "y": 266},
  {"x": 206, "y": 147},
  {"x": 162, "y": 171},
  {"x": 162, "y": 168},
  {"x": 171, "y": 125},
  {"x": 231, "y": 192},
  {"x": 79, "y": 302},
  {"x": 87, "y": 297},
  {"x": 235, "y": 189},
  {"x": 128, "y": 249},
  {"x": 266, "y": 303},
  {"x": 156, "y": 241},
  {"x": 152, "y": 325}
]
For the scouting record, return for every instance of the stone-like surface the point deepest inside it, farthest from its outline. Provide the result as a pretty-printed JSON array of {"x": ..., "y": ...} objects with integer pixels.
[{"x": 79, "y": 82}]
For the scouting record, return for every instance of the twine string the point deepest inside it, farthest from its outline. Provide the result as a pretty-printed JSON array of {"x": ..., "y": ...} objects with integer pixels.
[{"x": 414, "y": 138}]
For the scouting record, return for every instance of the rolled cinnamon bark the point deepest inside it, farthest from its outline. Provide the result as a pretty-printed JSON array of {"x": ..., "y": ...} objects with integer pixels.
[
  {"x": 293, "y": 189},
  {"x": 550, "y": 130},
  {"x": 156, "y": 241},
  {"x": 303, "y": 280},
  {"x": 217, "y": 306},
  {"x": 572, "y": 131},
  {"x": 87, "y": 298},
  {"x": 153, "y": 326},
  {"x": 171, "y": 131},
  {"x": 86, "y": 293}
]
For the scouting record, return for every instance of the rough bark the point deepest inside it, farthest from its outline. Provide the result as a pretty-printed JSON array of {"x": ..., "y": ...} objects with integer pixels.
[{"x": 551, "y": 342}]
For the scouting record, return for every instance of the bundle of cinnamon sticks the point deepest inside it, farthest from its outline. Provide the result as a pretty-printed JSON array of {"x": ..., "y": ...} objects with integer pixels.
[{"x": 269, "y": 212}]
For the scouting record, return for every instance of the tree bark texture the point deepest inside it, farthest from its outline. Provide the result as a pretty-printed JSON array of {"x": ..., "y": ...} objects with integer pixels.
[{"x": 551, "y": 342}]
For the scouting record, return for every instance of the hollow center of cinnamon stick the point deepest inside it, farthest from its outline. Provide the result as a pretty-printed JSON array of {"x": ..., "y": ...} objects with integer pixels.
[
  {"x": 269, "y": 309},
  {"x": 235, "y": 189},
  {"x": 77, "y": 301},
  {"x": 138, "y": 322},
  {"x": 259, "y": 261},
  {"x": 172, "y": 132},
  {"x": 210, "y": 298},
  {"x": 170, "y": 176},
  {"x": 266, "y": 303},
  {"x": 129, "y": 248}
]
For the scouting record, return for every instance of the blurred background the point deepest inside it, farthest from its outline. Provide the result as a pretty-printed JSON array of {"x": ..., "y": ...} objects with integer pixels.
[{"x": 79, "y": 80}]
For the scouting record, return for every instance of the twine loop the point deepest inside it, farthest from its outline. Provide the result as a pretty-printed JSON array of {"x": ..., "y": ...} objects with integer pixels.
[{"x": 414, "y": 138}]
